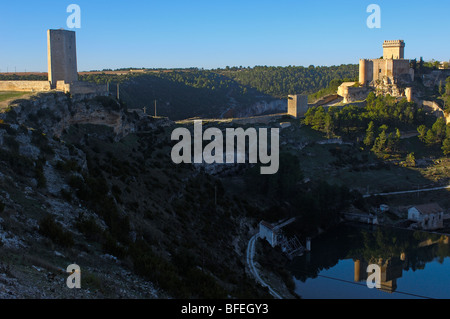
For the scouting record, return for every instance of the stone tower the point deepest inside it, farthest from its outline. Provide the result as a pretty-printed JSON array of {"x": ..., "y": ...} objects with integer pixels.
[
  {"x": 409, "y": 94},
  {"x": 394, "y": 49},
  {"x": 297, "y": 105},
  {"x": 62, "y": 56},
  {"x": 392, "y": 68}
]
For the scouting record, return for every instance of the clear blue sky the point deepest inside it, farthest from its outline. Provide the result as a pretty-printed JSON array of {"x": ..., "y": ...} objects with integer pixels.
[{"x": 217, "y": 33}]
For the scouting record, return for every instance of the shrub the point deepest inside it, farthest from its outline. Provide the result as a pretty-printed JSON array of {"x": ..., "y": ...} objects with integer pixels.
[
  {"x": 48, "y": 227},
  {"x": 89, "y": 228}
]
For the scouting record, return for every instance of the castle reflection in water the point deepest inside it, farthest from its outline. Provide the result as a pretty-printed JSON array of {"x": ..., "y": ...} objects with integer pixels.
[{"x": 391, "y": 268}]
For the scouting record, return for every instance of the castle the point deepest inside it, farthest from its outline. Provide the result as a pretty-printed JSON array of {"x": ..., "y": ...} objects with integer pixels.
[
  {"x": 62, "y": 69},
  {"x": 390, "y": 74},
  {"x": 392, "y": 69}
]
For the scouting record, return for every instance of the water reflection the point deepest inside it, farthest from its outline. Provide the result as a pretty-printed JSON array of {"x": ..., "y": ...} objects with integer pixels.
[{"x": 341, "y": 256}]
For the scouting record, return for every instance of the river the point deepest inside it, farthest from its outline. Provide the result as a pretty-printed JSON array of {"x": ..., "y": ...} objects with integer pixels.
[{"x": 413, "y": 264}]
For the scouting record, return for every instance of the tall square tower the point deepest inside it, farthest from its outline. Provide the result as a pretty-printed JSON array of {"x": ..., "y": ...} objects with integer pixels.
[
  {"x": 62, "y": 56},
  {"x": 394, "y": 49}
]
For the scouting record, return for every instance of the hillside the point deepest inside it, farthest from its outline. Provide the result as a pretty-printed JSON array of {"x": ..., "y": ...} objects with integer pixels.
[
  {"x": 182, "y": 94},
  {"x": 85, "y": 180}
]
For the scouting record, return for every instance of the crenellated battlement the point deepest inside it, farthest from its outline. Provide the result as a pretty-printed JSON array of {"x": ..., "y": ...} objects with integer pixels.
[{"x": 394, "y": 42}]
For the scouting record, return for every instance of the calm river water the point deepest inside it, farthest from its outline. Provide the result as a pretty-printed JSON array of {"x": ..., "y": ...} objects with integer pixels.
[{"x": 413, "y": 264}]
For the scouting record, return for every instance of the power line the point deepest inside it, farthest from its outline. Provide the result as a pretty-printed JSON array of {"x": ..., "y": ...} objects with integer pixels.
[
  {"x": 312, "y": 275},
  {"x": 363, "y": 285}
]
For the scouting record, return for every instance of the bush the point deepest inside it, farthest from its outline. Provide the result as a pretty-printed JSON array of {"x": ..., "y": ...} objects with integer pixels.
[
  {"x": 89, "y": 228},
  {"x": 48, "y": 227}
]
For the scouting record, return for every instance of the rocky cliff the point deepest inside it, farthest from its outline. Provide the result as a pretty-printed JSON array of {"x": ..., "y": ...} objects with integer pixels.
[{"x": 85, "y": 181}]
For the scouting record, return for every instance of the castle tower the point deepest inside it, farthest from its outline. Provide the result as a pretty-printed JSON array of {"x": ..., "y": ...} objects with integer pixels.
[
  {"x": 62, "y": 56},
  {"x": 297, "y": 105},
  {"x": 394, "y": 49},
  {"x": 408, "y": 94},
  {"x": 362, "y": 72}
]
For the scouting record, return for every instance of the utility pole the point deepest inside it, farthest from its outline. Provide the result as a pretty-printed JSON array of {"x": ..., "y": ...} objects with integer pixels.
[{"x": 155, "y": 108}]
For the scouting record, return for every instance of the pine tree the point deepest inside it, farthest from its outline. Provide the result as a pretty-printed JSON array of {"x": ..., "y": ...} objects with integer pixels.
[
  {"x": 411, "y": 160},
  {"x": 370, "y": 135},
  {"x": 446, "y": 146}
]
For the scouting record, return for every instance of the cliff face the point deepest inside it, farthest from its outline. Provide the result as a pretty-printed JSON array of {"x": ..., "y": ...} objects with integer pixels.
[
  {"x": 53, "y": 113},
  {"x": 262, "y": 107}
]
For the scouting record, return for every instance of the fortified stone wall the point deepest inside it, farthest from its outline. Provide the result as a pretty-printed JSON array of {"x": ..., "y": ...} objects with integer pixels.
[
  {"x": 378, "y": 69},
  {"x": 81, "y": 88},
  {"x": 436, "y": 110},
  {"x": 25, "y": 86},
  {"x": 353, "y": 94}
]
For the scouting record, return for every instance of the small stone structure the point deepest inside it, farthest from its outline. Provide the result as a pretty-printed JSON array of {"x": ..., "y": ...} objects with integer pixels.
[
  {"x": 274, "y": 235},
  {"x": 427, "y": 216},
  {"x": 269, "y": 232},
  {"x": 350, "y": 93},
  {"x": 409, "y": 94},
  {"x": 297, "y": 105}
]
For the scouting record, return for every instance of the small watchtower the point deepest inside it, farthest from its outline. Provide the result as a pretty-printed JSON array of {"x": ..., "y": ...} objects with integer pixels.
[{"x": 297, "y": 105}]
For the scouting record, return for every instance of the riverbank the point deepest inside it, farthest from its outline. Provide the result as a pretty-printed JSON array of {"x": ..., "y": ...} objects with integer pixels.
[{"x": 270, "y": 265}]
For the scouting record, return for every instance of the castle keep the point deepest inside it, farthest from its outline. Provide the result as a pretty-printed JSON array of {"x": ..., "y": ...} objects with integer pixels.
[
  {"x": 390, "y": 74},
  {"x": 393, "y": 68}
]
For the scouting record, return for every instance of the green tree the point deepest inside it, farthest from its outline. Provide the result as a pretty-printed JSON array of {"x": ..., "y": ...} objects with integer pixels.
[
  {"x": 370, "y": 134},
  {"x": 422, "y": 129},
  {"x": 430, "y": 138},
  {"x": 446, "y": 146},
  {"x": 380, "y": 142},
  {"x": 319, "y": 119},
  {"x": 329, "y": 125},
  {"x": 411, "y": 160},
  {"x": 441, "y": 88},
  {"x": 398, "y": 134},
  {"x": 439, "y": 129}
]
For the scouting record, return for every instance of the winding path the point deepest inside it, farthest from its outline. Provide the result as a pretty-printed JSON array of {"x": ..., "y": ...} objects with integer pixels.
[{"x": 252, "y": 267}]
